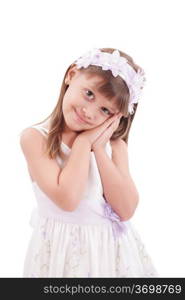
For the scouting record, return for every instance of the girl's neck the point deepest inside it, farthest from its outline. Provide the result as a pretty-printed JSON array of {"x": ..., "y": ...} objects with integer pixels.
[{"x": 69, "y": 138}]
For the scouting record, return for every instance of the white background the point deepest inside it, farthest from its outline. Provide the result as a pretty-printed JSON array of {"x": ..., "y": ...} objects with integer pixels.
[{"x": 39, "y": 39}]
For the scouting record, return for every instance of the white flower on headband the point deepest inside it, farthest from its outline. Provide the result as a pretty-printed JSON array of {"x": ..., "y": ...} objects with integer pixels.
[
  {"x": 119, "y": 66},
  {"x": 136, "y": 89}
]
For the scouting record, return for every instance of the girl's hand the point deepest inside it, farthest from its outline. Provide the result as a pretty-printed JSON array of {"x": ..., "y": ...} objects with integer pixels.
[
  {"x": 91, "y": 135},
  {"x": 106, "y": 135}
]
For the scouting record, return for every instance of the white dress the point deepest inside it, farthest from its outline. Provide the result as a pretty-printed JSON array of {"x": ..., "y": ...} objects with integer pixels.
[{"x": 88, "y": 242}]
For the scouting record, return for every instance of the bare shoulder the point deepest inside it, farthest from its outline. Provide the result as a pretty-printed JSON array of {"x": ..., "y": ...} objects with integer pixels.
[
  {"x": 30, "y": 136},
  {"x": 30, "y": 132},
  {"x": 43, "y": 170}
]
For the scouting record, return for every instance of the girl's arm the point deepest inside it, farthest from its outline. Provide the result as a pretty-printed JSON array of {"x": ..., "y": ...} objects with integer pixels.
[
  {"x": 119, "y": 188},
  {"x": 63, "y": 186},
  {"x": 74, "y": 175}
]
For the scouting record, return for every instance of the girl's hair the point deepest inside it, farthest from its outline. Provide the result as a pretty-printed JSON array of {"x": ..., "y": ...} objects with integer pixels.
[{"x": 113, "y": 88}]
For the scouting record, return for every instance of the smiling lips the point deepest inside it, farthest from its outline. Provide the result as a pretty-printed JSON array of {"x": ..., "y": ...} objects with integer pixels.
[{"x": 80, "y": 119}]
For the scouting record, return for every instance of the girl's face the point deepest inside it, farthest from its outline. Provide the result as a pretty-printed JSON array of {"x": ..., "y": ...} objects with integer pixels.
[{"x": 83, "y": 106}]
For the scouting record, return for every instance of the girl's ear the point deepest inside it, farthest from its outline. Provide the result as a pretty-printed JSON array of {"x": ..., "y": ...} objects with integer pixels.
[{"x": 70, "y": 74}]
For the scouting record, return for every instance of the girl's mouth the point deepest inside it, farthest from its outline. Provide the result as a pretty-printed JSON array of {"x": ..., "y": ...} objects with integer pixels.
[{"x": 79, "y": 118}]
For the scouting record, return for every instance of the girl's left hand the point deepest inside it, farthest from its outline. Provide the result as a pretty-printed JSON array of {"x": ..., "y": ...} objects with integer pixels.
[{"x": 101, "y": 141}]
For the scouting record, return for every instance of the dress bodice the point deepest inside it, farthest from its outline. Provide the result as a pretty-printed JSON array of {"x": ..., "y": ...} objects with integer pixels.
[{"x": 91, "y": 207}]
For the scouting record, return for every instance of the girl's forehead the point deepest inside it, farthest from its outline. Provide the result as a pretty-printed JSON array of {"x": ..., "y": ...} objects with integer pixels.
[
  {"x": 92, "y": 79},
  {"x": 94, "y": 82}
]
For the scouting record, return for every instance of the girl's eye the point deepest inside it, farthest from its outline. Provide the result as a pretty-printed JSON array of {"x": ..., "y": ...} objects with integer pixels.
[
  {"x": 89, "y": 93},
  {"x": 107, "y": 112}
]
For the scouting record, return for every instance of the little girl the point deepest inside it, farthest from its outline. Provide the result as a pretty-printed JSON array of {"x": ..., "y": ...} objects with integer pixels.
[{"x": 78, "y": 162}]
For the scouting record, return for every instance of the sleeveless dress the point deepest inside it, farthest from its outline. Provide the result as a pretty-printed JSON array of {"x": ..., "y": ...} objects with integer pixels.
[{"x": 90, "y": 241}]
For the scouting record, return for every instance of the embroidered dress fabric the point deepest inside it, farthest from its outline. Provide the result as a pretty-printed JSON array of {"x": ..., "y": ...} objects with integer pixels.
[{"x": 90, "y": 241}]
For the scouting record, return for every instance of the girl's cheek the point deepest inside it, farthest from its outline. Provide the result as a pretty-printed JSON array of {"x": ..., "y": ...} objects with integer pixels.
[{"x": 102, "y": 120}]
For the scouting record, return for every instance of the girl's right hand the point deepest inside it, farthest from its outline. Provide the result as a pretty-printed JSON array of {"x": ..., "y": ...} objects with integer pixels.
[{"x": 92, "y": 134}]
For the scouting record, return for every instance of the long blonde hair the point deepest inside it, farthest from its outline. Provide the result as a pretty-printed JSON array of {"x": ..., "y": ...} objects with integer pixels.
[{"x": 111, "y": 87}]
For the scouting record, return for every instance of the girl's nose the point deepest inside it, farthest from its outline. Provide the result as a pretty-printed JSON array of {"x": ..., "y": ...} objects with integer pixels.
[{"x": 87, "y": 114}]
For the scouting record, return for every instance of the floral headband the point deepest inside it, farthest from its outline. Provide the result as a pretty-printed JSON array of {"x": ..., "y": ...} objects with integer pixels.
[{"x": 119, "y": 66}]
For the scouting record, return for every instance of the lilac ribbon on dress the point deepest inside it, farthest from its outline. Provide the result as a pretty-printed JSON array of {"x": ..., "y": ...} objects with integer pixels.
[{"x": 118, "y": 226}]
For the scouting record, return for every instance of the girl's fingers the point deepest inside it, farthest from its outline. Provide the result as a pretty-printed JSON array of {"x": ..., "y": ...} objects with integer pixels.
[
  {"x": 110, "y": 130},
  {"x": 109, "y": 122},
  {"x": 115, "y": 124},
  {"x": 114, "y": 118}
]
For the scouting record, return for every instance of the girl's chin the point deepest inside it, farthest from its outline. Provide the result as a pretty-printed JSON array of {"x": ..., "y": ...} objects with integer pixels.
[{"x": 72, "y": 126}]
